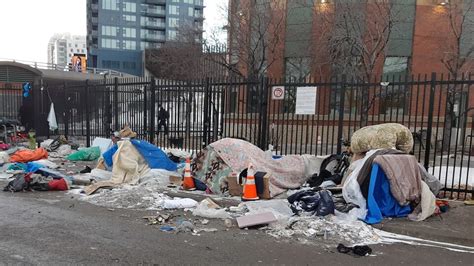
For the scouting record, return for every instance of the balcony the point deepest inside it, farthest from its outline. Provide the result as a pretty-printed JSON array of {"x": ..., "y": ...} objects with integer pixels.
[
  {"x": 199, "y": 3},
  {"x": 150, "y": 12},
  {"x": 153, "y": 25},
  {"x": 152, "y": 37},
  {"x": 95, "y": 7},
  {"x": 198, "y": 15},
  {"x": 156, "y": 2},
  {"x": 95, "y": 20}
]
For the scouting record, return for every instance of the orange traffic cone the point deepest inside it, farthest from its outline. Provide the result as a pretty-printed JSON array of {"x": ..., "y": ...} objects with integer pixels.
[
  {"x": 188, "y": 182},
  {"x": 250, "y": 189}
]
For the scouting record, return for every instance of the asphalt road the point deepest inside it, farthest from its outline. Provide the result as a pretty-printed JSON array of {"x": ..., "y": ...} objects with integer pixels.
[{"x": 54, "y": 229}]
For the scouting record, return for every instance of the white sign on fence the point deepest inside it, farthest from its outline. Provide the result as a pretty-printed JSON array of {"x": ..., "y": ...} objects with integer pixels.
[
  {"x": 278, "y": 93},
  {"x": 305, "y": 100}
]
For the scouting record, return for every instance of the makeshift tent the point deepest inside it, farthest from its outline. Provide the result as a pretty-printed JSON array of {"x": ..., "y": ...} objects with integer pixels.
[
  {"x": 154, "y": 156},
  {"x": 218, "y": 160},
  {"x": 130, "y": 160}
]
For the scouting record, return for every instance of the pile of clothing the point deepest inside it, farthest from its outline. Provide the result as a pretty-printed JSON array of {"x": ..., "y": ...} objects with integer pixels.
[
  {"x": 387, "y": 181},
  {"x": 32, "y": 172}
]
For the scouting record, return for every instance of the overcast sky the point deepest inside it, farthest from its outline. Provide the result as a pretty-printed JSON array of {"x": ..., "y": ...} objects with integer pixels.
[{"x": 27, "y": 25}]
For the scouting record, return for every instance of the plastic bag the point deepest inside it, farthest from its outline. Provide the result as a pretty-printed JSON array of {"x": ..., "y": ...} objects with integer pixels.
[
  {"x": 178, "y": 203},
  {"x": 87, "y": 154},
  {"x": 4, "y": 158},
  {"x": 203, "y": 210},
  {"x": 351, "y": 189},
  {"x": 64, "y": 150}
]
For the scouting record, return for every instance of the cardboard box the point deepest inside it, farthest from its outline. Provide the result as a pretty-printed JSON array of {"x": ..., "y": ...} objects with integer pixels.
[
  {"x": 176, "y": 180},
  {"x": 235, "y": 189},
  {"x": 266, "y": 187}
]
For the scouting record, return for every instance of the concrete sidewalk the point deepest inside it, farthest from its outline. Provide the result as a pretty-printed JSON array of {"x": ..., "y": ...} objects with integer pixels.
[{"x": 456, "y": 226}]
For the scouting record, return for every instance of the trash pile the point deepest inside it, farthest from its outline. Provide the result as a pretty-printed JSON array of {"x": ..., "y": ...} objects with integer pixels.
[{"x": 316, "y": 199}]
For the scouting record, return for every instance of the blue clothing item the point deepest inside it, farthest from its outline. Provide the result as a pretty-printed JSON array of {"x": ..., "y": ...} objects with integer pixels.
[
  {"x": 154, "y": 156},
  {"x": 109, "y": 154},
  {"x": 380, "y": 202},
  {"x": 52, "y": 173},
  {"x": 33, "y": 167}
]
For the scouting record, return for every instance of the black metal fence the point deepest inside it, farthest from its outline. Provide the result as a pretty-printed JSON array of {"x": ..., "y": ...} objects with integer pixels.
[{"x": 436, "y": 108}]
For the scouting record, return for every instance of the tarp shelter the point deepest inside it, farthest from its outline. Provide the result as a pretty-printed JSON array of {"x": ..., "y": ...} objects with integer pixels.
[{"x": 218, "y": 160}]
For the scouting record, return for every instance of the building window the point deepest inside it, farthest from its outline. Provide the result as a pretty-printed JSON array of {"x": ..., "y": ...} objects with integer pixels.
[
  {"x": 129, "y": 18},
  {"x": 129, "y": 32},
  {"x": 393, "y": 97},
  {"x": 129, "y": 65},
  {"x": 110, "y": 64},
  {"x": 173, "y": 22},
  {"x": 110, "y": 4},
  {"x": 129, "y": 7},
  {"x": 173, "y": 10},
  {"x": 172, "y": 35},
  {"x": 109, "y": 43},
  {"x": 198, "y": 2},
  {"x": 175, "y": 1},
  {"x": 109, "y": 30},
  {"x": 395, "y": 66},
  {"x": 129, "y": 45},
  {"x": 297, "y": 67},
  {"x": 191, "y": 11},
  {"x": 189, "y": 2}
]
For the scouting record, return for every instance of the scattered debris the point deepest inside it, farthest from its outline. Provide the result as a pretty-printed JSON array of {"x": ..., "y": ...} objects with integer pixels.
[
  {"x": 228, "y": 223},
  {"x": 167, "y": 228},
  {"x": 185, "y": 226},
  {"x": 157, "y": 219}
]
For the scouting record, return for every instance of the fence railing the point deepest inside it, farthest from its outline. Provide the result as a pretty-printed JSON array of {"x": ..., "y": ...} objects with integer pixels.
[{"x": 437, "y": 110}]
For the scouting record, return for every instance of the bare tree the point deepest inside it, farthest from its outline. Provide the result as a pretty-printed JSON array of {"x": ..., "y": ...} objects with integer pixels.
[
  {"x": 254, "y": 37},
  {"x": 458, "y": 50},
  {"x": 177, "y": 59},
  {"x": 352, "y": 40}
]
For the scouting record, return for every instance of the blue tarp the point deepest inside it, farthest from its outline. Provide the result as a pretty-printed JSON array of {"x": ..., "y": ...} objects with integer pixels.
[
  {"x": 380, "y": 202},
  {"x": 153, "y": 155}
]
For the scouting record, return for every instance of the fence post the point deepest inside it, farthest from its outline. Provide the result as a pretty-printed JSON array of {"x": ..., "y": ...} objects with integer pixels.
[
  {"x": 430, "y": 121},
  {"x": 88, "y": 123},
  {"x": 145, "y": 114},
  {"x": 263, "y": 114},
  {"x": 115, "y": 101},
  {"x": 206, "y": 113},
  {"x": 151, "y": 130},
  {"x": 340, "y": 124},
  {"x": 66, "y": 112}
]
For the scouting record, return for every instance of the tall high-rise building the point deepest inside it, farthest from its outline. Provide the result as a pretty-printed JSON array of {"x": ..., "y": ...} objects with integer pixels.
[
  {"x": 118, "y": 31},
  {"x": 63, "y": 46}
]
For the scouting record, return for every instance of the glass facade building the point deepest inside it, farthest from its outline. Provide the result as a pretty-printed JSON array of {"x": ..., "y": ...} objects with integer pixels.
[{"x": 118, "y": 31}]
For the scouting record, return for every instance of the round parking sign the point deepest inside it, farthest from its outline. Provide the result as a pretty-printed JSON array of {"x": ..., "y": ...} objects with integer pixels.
[{"x": 278, "y": 93}]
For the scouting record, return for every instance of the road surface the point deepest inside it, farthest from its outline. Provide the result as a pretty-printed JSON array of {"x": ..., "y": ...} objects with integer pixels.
[{"x": 52, "y": 228}]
